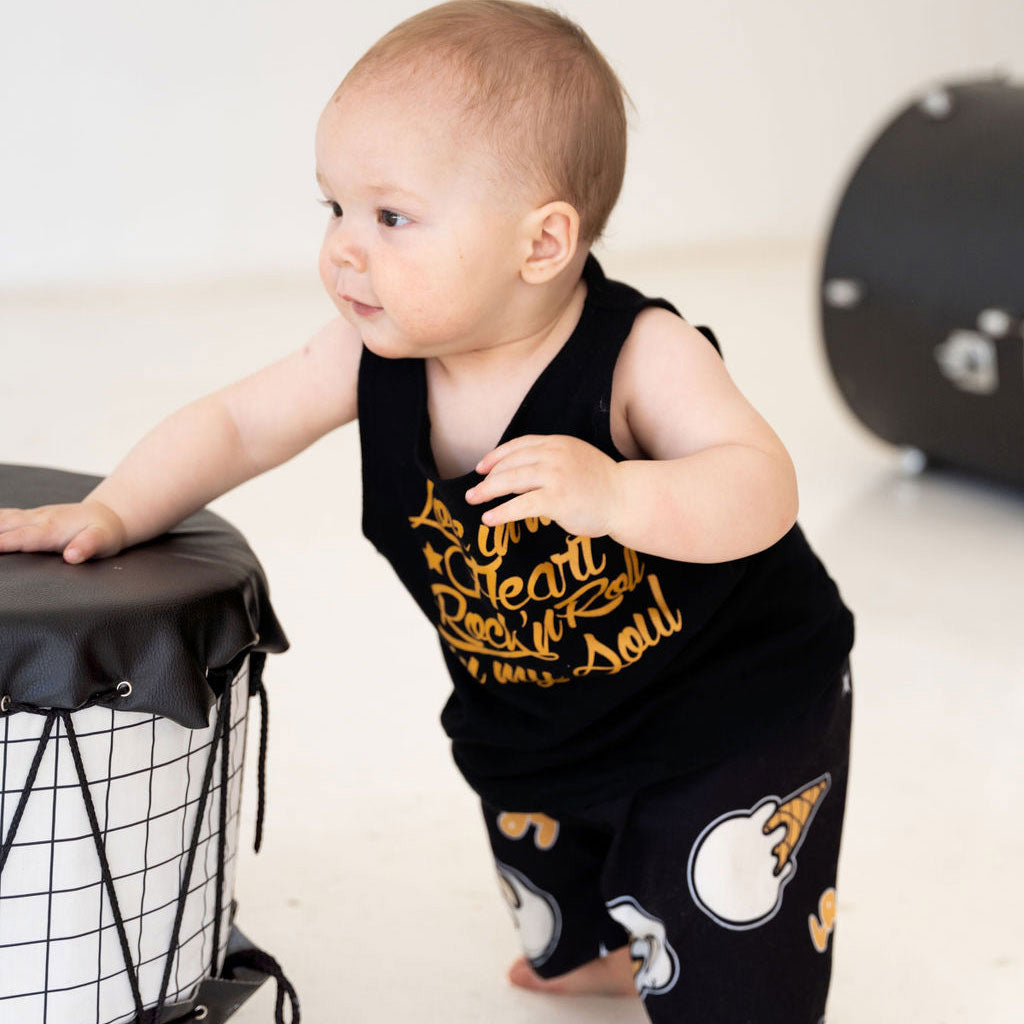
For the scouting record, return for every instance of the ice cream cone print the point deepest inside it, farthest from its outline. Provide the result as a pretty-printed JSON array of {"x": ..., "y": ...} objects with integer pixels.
[
  {"x": 536, "y": 913},
  {"x": 794, "y": 814},
  {"x": 742, "y": 861},
  {"x": 655, "y": 964}
]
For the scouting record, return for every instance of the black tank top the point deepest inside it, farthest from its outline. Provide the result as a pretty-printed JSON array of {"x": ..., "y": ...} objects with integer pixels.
[{"x": 582, "y": 669}]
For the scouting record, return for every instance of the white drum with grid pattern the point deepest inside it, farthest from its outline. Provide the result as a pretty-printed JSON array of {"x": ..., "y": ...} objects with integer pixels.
[{"x": 61, "y": 958}]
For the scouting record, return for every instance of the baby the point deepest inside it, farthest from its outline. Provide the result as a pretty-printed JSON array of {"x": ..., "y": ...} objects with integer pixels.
[{"x": 650, "y": 685}]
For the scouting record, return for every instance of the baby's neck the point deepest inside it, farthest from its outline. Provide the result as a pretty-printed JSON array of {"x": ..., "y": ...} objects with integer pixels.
[
  {"x": 526, "y": 351},
  {"x": 473, "y": 396}
]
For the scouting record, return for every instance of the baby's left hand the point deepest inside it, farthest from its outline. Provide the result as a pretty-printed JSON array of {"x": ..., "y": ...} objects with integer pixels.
[{"x": 560, "y": 477}]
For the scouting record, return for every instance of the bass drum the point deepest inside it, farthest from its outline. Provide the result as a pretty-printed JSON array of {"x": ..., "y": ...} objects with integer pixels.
[{"x": 922, "y": 290}]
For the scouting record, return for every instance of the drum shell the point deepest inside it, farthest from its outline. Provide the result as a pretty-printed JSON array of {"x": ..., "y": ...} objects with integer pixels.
[
  {"x": 930, "y": 231},
  {"x": 60, "y": 957}
]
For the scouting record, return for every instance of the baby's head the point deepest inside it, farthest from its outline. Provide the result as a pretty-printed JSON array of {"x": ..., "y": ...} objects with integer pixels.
[
  {"x": 526, "y": 83},
  {"x": 476, "y": 149}
]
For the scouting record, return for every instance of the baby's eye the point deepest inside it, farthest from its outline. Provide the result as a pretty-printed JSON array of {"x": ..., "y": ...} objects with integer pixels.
[
  {"x": 334, "y": 207},
  {"x": 391, "y": 219}
]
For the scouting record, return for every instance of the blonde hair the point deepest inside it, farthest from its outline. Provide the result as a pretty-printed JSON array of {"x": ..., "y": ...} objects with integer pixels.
[{"x": 546, "y": 100}]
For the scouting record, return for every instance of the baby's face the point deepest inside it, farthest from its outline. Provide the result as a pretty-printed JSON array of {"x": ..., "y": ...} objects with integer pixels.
[{"x": 423, "y": 242}]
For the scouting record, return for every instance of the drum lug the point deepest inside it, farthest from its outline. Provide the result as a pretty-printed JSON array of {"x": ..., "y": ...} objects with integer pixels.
[
  {"x": 937, "y": 104},
  {"x": 968, "y": 360},
  {"x": 843, "y": 292},
  {"x": 913, "y": 461},
  {"x": 997, "y": 323}
]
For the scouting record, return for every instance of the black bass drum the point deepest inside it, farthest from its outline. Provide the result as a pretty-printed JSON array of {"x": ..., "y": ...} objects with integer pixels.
[{"x": 922, "y": 290}]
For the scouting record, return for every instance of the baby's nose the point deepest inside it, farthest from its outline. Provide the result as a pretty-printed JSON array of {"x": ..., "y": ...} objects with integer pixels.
[{"x": 346, "y": 251}]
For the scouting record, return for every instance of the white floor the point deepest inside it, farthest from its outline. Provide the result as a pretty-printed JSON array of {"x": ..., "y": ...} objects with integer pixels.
[{"x": 374, "y": 888}]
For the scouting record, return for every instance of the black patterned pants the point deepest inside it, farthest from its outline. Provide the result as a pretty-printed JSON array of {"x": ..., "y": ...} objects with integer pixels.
[{"x": 723, "y": 883}]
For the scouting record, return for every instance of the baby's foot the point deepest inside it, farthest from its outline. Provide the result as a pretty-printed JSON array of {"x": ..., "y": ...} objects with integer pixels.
[{"x": 610, "y": 975}]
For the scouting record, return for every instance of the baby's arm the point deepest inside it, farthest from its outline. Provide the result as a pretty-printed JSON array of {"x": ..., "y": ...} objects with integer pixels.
[
  {"x": 201, "y": 451},
  {"x": 713, "y": 481}
]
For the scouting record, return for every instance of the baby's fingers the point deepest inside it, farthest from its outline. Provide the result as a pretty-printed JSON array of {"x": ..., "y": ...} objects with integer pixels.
[
  {"x": 14, "y": 524},
  {"x": 80, "y": 531},
  {"x": 85, "y": 544},
  {"x": 495, "y": 455},
  {"x": 523, "y": 506},
  {"x": 12, "y": 518},
  {"x": 508, "y": 478},
  {"x": 29, "y": 537}
]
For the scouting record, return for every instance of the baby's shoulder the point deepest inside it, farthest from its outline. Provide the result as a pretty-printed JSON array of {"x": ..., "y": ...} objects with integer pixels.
[
  {"x": 656, "y": 360},
  {"x": 659, "y": 343}
]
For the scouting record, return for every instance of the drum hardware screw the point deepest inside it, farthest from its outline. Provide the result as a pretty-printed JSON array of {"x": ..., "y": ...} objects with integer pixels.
[
  {"x": 200, "y": 1012},
  {"x": 938, "y": 104},
  {"x": 996, "y": 323},
  {"x": 124, "y": 688},
  {"x": 843, "y": 292},
  {"x": 5, "y": 702}
]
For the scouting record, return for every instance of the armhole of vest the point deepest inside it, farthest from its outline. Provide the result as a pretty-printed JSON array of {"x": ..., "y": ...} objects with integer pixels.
[
  {"x": 665, "y": 304},
  {"x": 603, "y": 411},
  {"x": 710, "y": 335}
]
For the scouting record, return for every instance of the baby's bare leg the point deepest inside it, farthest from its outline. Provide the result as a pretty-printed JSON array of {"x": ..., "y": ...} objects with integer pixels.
[{"x": 610, "y": 975}]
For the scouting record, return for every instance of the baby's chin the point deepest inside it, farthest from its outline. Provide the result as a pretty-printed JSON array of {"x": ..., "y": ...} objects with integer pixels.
[{"x": 387, "y": 348}]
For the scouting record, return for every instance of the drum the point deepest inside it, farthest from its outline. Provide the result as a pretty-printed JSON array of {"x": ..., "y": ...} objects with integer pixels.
[
  {"x": 922, "y": 291},
  {"x": 124, "y": 688}
]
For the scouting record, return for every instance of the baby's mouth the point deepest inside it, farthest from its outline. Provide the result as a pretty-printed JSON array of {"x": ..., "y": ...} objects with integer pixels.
[{"x": 361, "y": 308}]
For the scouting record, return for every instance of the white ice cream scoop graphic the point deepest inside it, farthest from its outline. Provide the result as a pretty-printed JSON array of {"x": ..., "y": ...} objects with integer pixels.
[
  {"x": 655, "y": 964},
  {"x": 741, "y": 862},
  {"x": 535, "y": 912}
]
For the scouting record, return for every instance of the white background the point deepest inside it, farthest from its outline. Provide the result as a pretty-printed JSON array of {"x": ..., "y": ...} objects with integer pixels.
[
  {"x": 172, "y": 146},
  {"x": 157, "y": 141}
]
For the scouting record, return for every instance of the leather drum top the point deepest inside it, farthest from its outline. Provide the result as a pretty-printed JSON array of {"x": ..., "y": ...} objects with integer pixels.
[{"x": 169, "y": 616}]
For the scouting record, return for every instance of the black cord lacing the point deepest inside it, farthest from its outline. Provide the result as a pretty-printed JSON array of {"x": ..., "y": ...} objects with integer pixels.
[
  {"x": 261, "y": 772},
  {"x": 33, "y": 770},
  {"x": 252, "y": 959},
  {"x": 218, "y": 730},
  {"x": 9, "y": 706},
  {"x": 222, "y": 839},
  {"x": 108, "y": 880},
  {"x": 257, "y": 960},
  {"x": 198, "y": 1012}
]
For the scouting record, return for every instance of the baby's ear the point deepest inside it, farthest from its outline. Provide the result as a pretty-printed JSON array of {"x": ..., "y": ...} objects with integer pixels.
[{"x": 553, "y": 235}]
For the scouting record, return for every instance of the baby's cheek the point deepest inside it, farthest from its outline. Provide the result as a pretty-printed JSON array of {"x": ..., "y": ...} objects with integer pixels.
[
  {"x": 327, "y": 279},
  {"x": 427, "y": 313},
  {"x": 323, "y": 268}
]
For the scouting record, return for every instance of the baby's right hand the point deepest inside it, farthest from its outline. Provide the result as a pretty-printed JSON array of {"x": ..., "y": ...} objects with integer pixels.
[{"x": 84, "y": 530}]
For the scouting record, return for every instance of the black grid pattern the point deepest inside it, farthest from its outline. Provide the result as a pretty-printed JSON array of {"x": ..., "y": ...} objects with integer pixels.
[{"x": 60, "y": 957}]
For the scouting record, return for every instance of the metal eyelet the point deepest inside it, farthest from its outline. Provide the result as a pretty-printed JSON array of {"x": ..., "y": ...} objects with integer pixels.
[
  {"x": 200, "y": 1012},
  {"x": 5, "y": 703},
  {"x": 124, "y": 688}
]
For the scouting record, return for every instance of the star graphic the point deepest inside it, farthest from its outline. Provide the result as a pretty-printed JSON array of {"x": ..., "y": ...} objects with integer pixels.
[{"x": 433, "y": 558}]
